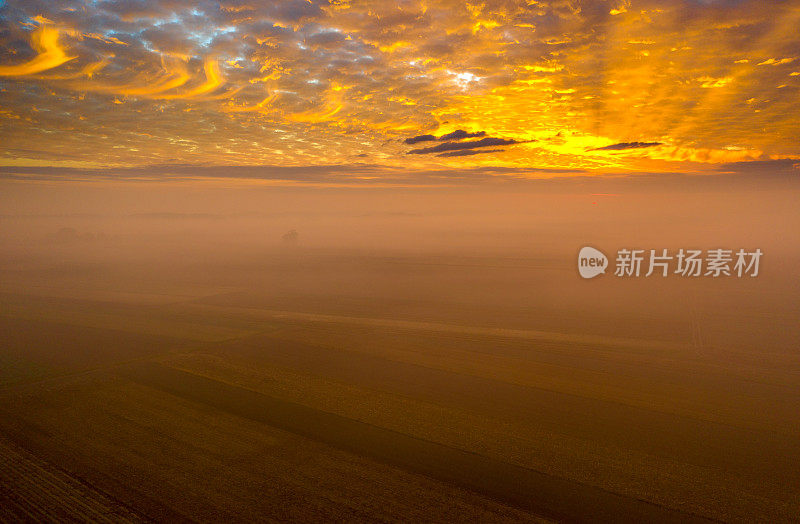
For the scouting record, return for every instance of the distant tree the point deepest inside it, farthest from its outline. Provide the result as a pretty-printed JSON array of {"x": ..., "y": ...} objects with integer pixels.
[
  {"x": 291, "y": 237},
  {"x": 66, "y": 234}
]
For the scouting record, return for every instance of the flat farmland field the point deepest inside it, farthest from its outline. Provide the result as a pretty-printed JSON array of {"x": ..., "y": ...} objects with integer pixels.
[
  {"x": 176, "y": 459},
  {"x": 307, "y": 402},
  {"x": 34, "y": 490}
]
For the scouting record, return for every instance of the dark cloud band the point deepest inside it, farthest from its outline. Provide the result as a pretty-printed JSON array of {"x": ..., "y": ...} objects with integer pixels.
[
  {"x": 626, "y": 145},
  {"x": 458, "y": 146}
]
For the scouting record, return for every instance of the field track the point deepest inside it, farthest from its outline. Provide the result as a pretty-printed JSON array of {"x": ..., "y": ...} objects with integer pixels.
[
  {"x": 32, "y": 490},
  {"x": 517, "y": 486}
]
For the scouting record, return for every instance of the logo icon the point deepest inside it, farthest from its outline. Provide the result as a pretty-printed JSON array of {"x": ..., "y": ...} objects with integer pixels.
[{"x": 591, "y": 262}]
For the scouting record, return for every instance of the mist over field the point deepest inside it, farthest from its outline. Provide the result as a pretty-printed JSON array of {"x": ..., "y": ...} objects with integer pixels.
[{"x": 410, "y": 323}]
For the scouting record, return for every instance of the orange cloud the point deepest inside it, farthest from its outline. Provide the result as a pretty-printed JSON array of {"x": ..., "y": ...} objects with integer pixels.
[{"x": 45, "y": 41}]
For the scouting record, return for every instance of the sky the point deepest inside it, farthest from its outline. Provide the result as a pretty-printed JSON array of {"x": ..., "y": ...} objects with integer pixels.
[{"x": 410, "y": 90}]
